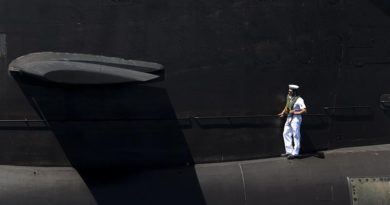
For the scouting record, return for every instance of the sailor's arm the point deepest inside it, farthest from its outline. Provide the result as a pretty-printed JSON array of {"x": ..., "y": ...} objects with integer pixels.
[
  {"x": 284, "y": 111},
  {"x": 298, "y": 112}
]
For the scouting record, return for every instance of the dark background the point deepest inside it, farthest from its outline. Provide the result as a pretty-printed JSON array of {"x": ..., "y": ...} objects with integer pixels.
[{"x": 221, "y": 58}]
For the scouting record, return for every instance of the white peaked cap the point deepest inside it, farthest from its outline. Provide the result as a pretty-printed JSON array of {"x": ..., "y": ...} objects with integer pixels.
[{"x": 291, "y": 86}]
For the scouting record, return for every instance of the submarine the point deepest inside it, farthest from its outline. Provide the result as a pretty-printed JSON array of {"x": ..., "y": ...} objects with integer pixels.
[{"x": 176, "y": 102}]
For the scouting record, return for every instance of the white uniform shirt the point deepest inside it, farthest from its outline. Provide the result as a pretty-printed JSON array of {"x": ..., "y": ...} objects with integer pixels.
[{"x": 299, "y": 104}]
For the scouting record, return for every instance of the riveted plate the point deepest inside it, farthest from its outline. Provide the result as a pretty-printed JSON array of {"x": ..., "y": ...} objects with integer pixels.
[{"x": 369, "y": 190}]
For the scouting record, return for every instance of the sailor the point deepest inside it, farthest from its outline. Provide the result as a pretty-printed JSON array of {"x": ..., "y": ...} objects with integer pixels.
[{"x": 295, "y": 107}]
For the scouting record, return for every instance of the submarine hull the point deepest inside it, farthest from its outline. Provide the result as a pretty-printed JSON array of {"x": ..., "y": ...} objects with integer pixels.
[{"x": 226, "y": 70}]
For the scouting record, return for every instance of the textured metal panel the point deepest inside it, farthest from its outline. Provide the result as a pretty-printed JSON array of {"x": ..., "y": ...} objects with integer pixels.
[
  {"x": 369, "y": 190},
  {"x": 224, "y": 184},
  {"x": 43, "y": 185}
]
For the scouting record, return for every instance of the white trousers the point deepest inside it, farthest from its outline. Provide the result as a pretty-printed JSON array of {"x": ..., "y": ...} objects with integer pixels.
[{"x": 292, "y": 131}]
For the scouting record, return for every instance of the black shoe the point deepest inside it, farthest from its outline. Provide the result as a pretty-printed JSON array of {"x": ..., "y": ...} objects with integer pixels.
[
  {"x": 285, "y": 155},
  {"x": 292, "y": 156}
]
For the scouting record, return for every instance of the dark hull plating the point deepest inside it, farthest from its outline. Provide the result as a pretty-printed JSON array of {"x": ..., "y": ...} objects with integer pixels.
[{"x": 222, "y": 59}]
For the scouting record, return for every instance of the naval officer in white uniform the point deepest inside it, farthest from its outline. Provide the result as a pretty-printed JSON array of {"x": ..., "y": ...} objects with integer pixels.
[{"x": 295, "y": 107}]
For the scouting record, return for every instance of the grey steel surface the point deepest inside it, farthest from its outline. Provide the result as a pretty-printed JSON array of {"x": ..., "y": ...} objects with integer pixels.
[
  {"x": 226, "y": 183},
  {"x": 369, "y": 190},
  {"x": 309, "y": 180},
  {"x": 304, "y": 181},
  {"x": 137, "y": 65},
  {"x": 42, "y": 185},
  {"x": 83, "y": 68}
]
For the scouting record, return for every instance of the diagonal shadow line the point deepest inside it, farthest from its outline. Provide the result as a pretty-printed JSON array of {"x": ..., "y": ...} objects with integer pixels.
[{"x": 142, "y": 162}]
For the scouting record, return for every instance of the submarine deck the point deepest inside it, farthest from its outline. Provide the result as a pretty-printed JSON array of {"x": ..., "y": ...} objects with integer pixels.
[{"x": 310, "y": 180}]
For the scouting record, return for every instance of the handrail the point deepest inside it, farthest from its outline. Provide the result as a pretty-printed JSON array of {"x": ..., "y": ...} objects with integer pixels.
[
  {"x": 347, "y": 107},
  {"x": 246, "y": 116},
  {"x": 230, "y": 117},
  {"x": 184, "y": 118},
  {"x": 326, "y": 114},
  {"x": 25, "y": 120}
]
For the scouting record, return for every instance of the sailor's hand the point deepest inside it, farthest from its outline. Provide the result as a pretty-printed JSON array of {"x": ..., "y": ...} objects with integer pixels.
[
  {"x": 281, "y": 114},
  {"x": 292, "y": 111}
]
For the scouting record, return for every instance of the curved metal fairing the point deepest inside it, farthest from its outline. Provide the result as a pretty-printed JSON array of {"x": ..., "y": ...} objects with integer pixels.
[{"x": 75, "y": 68}]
